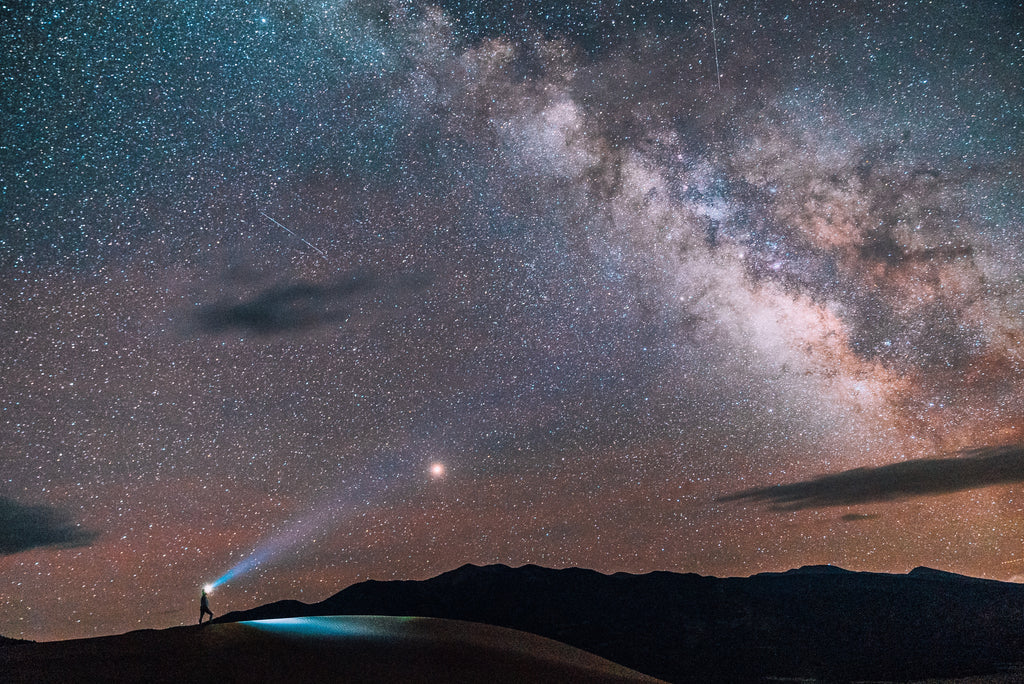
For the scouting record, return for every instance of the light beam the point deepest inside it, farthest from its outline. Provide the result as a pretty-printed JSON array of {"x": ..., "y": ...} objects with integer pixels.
[{"x": 275, "y": 546}]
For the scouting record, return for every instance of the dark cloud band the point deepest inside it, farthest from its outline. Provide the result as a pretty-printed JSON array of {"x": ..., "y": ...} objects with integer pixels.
[
  {"x": 24, "y": 527},
  {"x": 926, "y": 477},
  {"x": 292, "y": 307},
  {"x": 299, "y": 306}
]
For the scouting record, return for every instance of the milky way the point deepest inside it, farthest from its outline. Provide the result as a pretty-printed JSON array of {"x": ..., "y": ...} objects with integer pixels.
[{"x": 335, "y": 291}]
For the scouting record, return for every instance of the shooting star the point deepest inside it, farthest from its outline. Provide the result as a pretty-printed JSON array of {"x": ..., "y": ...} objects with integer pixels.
[
  {"x": 291, "y": 232},
  {"x": 714, "y": 40}
]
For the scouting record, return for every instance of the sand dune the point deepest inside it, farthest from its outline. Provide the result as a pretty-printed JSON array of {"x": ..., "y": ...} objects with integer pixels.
[{"x": 337, "y": 649}]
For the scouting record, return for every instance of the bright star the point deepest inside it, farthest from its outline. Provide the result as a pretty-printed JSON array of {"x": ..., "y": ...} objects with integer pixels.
[{"x": 437, "y": 470}]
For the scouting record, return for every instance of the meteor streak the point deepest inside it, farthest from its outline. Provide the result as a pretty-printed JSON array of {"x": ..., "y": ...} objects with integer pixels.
[
  {"x": 714, "y": 40},
  {"x": 292, "y": 232}
]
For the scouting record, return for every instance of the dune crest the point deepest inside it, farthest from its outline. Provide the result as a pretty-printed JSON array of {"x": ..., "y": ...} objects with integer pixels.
[{"x": 359, "y": 649}]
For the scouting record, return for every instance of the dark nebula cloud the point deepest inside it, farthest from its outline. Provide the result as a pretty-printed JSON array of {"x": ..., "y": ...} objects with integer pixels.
[
  {"x": 24, "y": 527},
  {"x": 972, "y": 469}
]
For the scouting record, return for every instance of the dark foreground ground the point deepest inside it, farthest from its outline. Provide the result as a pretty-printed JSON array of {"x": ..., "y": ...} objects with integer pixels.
[
  {"x": 338, "y": 649},
  {"x": 816, "y": 624}
]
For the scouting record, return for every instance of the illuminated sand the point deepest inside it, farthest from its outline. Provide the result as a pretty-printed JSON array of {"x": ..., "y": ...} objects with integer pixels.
[{"x": 347, "y": 649}]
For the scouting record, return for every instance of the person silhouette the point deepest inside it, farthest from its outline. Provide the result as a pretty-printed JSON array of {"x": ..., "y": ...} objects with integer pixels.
[{"x": 204, "y": 608}]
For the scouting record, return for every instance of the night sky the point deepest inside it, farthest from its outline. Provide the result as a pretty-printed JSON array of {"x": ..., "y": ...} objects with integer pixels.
[{"x": 305, "y": 293}]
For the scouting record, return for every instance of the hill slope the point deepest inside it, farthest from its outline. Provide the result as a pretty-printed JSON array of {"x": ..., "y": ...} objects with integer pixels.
[{"x": 359, "y": 650}]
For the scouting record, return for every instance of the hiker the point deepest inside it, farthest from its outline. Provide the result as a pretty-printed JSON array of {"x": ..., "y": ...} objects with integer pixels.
[{"x": 204, "y": 608}]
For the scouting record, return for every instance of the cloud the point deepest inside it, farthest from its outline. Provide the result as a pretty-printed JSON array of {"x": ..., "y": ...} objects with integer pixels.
[
  {"x": 857, "y": 517},
  {"x": 972, "y": 469},
  {"x": 297, "y": 306},
  {"x": 25, "y": 527},
  {"x": 289, "y": 307}
]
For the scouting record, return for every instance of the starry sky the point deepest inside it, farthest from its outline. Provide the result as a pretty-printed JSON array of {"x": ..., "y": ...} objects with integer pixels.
[{"x": 302, "y": 293}]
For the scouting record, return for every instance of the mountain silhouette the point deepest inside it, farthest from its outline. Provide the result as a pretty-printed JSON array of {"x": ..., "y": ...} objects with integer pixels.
[{"x": 821, "y": 622}]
